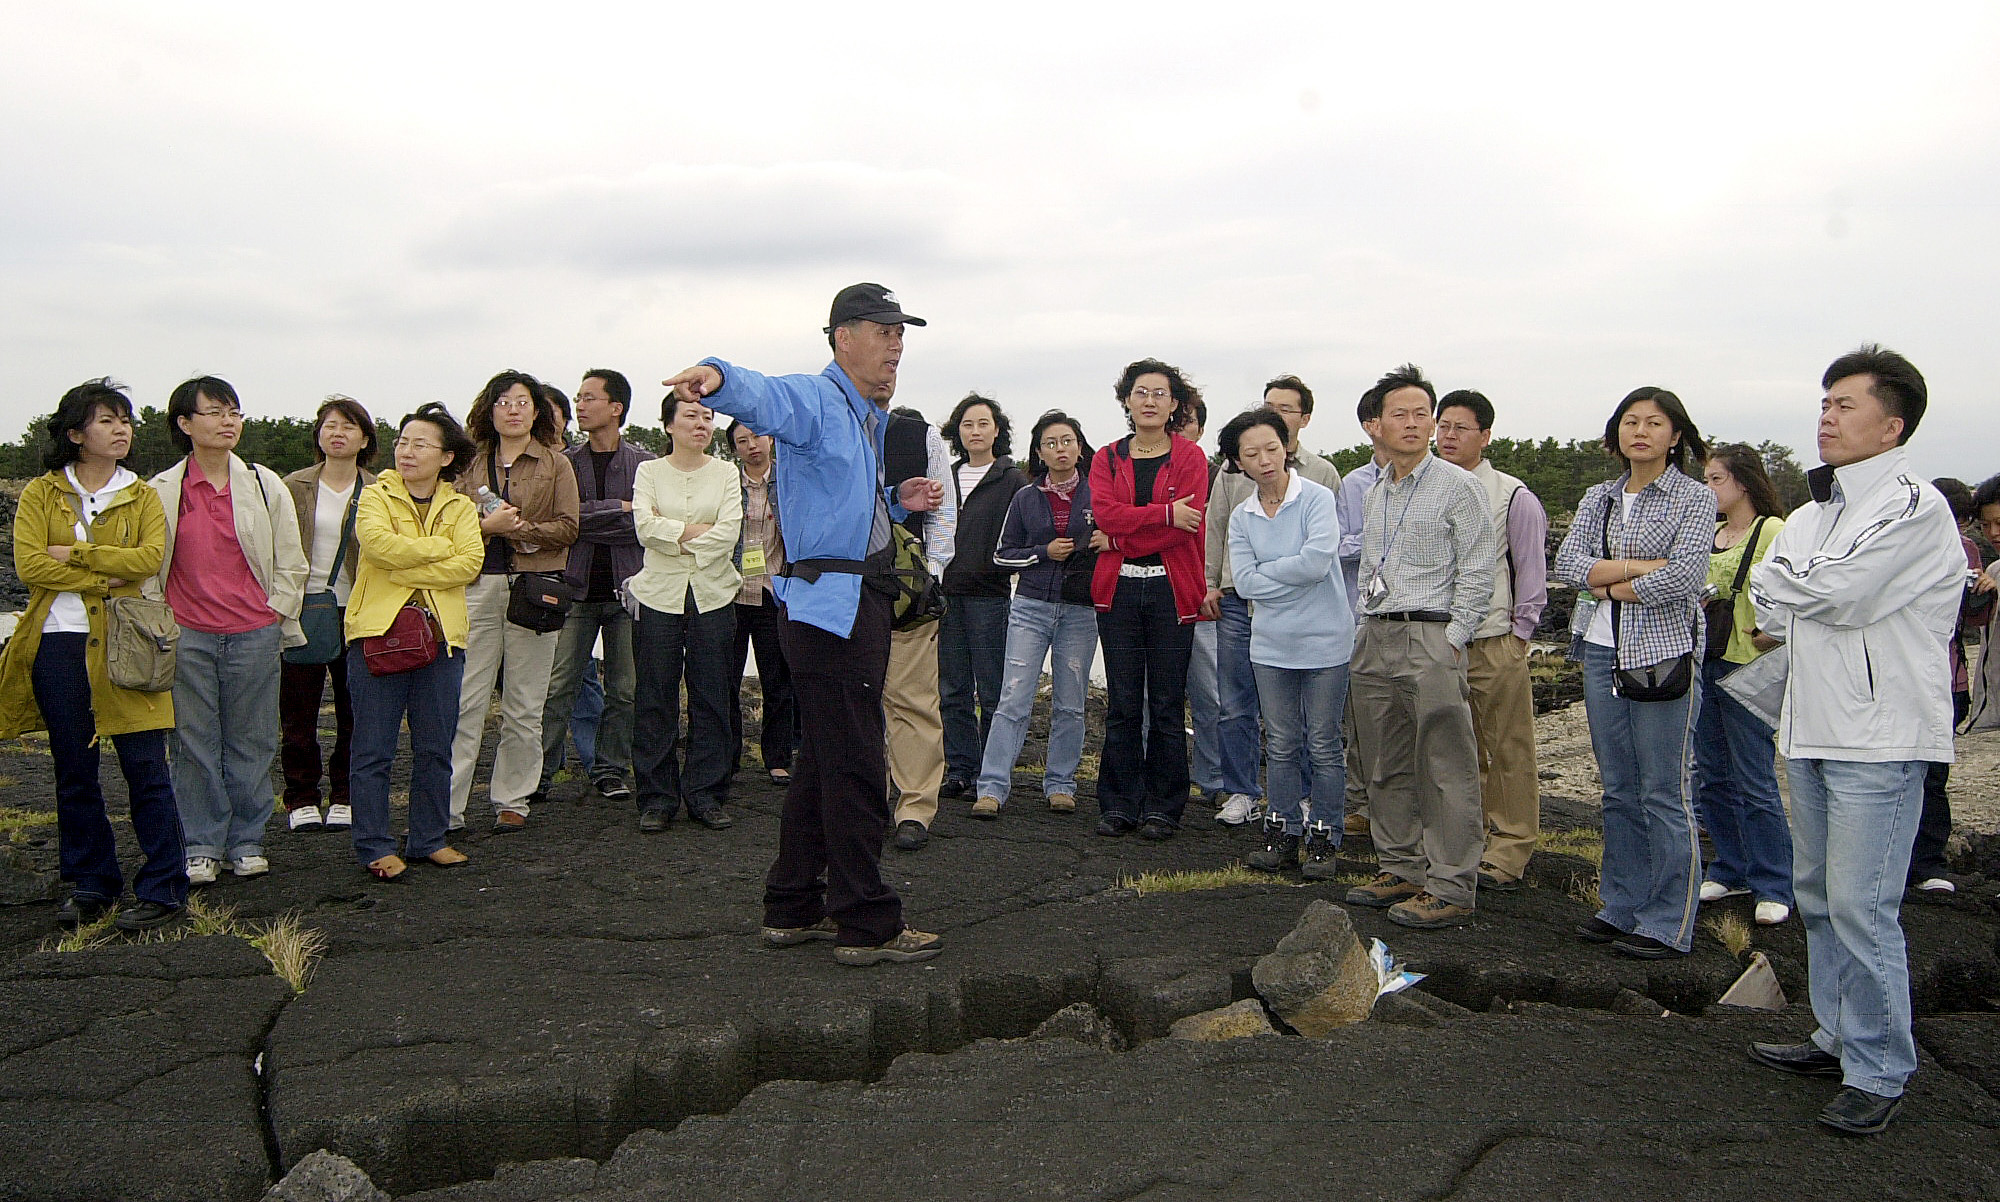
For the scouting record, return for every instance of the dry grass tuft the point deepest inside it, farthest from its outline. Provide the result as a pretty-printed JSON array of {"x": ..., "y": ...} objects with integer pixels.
[
  {"x": 1584, "y": 889},
  {"x": 293, "y": 949},
  {"x": 16, "y": 823},
  {"x": 1581, "y": 842},
  {"x": 1190, "y": 880},
  {"x": 1731, "y": 931}
]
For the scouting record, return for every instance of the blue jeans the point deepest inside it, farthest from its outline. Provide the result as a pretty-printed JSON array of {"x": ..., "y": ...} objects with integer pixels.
[
  {"x": 1236, "y": 688},
  {"x": 225, "y": 737},
  {"x": 1143, "y": 769},
  {"x": 1303, "y": 709},
  {"x": 1854, "y": 824},
  {"x": 88, "y": 851},
  {"x": 1651, "y": 880},
  {"x": 972, "y": 657},
  {"x": 429, "y": 698},
  {"x": 1736, "y": 786},
  {"x": 1034, "y": 628},
  {"x": 1204, "y": 710}
]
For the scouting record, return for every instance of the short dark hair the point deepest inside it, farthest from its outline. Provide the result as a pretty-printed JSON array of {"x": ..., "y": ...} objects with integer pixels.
[
  {"x": 186, "y": 397},
  {"x": 1409, "y": 375},
  {"x": 352, "y": 410},
  {"x": 560, "y": 399},
  {"x": 1689, "y": 450},
  {"x": 77, "y": 409},
  {"x": 1056, "y": 417},
  {"x": 1466, "y": 398},
  {"x": 479, "y": 422},
  {"x": 671, "y": 405},
  {"x": 1188, "y": 404},
  {"x": 1244, "y": 422},
  {"x": 1296, "y": 385},
  {"x": 1958, "y": 495},
  {"x": 451, "y": 435},
  {"x": 1988, "y": 493},
  {"x": 1746, "y": 467},
  {"x": 617, "y": 387},
  {"x": 1003, "y": 430},
  {"x": 1897, "y": 383}
]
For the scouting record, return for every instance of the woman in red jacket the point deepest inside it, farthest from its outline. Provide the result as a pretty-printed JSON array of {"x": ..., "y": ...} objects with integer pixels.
[{"x": 1148, "y": 492}]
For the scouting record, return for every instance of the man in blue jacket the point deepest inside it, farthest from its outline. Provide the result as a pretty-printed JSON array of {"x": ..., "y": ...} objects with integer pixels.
[{"x": 827, "y": 881}]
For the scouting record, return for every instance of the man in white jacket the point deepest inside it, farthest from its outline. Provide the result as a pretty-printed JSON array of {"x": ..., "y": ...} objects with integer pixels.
[{"x": 1864, "y": 584}]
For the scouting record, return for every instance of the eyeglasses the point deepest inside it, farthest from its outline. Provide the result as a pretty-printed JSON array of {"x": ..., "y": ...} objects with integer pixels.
[
  {"x": 1057, "y": 444},
  {"x": 224, "y": 413},
  {"x": 1455, "y": 428},
  {"x": 1287, "y": 410},
  {"x": 411, "y": 444},
  {"x": 1156, "y": 394},
  {"x": 519, "y": 402}
]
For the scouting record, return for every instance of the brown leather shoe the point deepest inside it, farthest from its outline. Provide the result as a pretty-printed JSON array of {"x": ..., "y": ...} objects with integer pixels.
[
  {"x": 1384, "y": 891},
  {"x": 987, "y": 808},
  {"x": 1356, "y": 824},
  {"x": 388, "y": 868},
  {"x": 446, "y": 857},
  {"x": 1062, "y": 803},
  {"x": 506, "y": 822},
  {"x": 1425, "y": 912}
]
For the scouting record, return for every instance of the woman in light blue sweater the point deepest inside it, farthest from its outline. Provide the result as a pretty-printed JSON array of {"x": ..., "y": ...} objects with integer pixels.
[{"x": 1284, "y": 552}]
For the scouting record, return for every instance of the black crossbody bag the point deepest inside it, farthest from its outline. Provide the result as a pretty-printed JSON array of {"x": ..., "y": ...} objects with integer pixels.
[
  {"x": 1720, "y": 612},
  {"x": 1667, "y": 680},
  {"x": 537, "y": 601}
]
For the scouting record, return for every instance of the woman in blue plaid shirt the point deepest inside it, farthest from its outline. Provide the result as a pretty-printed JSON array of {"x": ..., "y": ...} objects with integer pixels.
[{"x": 1639, "y": 548}]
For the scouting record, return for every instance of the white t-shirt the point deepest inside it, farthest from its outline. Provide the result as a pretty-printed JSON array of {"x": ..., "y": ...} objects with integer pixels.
[
  {"x": 329, "y": 518},
  {"x": 66, "y": 612},
  {"x": 1600, "y": 619},
  {"x": 969, "y": 478}
]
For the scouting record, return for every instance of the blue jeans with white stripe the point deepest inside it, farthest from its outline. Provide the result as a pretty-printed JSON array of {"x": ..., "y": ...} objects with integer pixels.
[{"x": 1651, "y": 879}]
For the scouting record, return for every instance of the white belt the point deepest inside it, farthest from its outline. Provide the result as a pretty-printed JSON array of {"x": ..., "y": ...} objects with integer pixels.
[{"x": 1142, "y": 571}]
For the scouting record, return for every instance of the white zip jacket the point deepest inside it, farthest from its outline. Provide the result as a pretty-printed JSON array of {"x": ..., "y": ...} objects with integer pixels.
[{"x": 1864, "y": 583}]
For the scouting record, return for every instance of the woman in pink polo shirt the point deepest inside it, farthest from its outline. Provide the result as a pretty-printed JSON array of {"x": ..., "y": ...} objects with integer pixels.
[{"x": 234, "y": 574}]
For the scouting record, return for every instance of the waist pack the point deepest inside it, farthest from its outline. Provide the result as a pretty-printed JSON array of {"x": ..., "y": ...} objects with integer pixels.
[
  {"x": 140, "y": 638},
  {"x": 411, "y": 642},
  {"x": 539, "y": 601},
  {"x": 898, "y": 571}
]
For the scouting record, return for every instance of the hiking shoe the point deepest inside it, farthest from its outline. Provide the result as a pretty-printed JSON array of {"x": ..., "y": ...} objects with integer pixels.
[
  {"x": 1426, "y": 912},
  {"x": 1062, "y": 803},
  {"x": 1493, "y": 879},
  {"x": 906, "y": 948},
  {"x": 611, "y": 788},
  {"x": 1355, "y": 824},
  {"x": 1280, "y": 850},
  {"x": 1384, "y": 891},
  {"x": 1715, "y": 891},
  {"x": 986, "y": 808},
  {"x": 1322, "y": 842},
  {"x": 145, "y": 916},
  {"x": 911, "y": 835},
  {"x": 305, "y": 818},
  {"x": 82, "y": 909},
  {"x": 1236, "y": 810},
  {"x": 202, "y": 870},
  {"x": 825, "y": 928},
  {"x": 249, "y": 865},
  {"x": 339, "y": 816}
]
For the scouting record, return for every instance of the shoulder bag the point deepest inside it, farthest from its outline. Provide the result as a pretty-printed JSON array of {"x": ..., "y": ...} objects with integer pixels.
[
  {"x": 1720, "y": 612},
  {"x": 1667, "y": 680},
  {"x": 537, "y": 601},
  {"x": 411, "y": 642},
  {"x": 319, "y": 617},
  {"x": 141, "y": 639}
]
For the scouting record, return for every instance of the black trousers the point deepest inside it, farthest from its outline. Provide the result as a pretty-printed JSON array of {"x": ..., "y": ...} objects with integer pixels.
[
  {"x": 780, "y": 737},
  {"x": 1934, "y": 828},
  {"x": 665, "y": 649},
  {"x": 830, "y": 836},
  {"x": 1143, "y": 767}
]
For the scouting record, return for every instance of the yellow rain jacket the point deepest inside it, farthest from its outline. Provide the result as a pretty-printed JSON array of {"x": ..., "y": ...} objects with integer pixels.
[{"x": 405, "y": 555}]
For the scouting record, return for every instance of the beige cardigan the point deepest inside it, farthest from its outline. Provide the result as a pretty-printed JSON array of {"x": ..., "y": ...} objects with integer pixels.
[{"x": 665, "y": 502}]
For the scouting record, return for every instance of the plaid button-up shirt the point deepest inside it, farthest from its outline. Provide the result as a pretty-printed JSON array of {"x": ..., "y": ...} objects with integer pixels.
[
  {"x": 1429, "y": 538},
  {"x": 1673, "y": 518}
]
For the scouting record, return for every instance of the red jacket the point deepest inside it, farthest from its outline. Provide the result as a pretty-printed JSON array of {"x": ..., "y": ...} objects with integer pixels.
[{"x": 1149, "y": 529}]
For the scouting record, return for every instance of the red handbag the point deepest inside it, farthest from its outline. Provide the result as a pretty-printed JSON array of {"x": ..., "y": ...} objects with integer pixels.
[{"x": 411, "y": 642}]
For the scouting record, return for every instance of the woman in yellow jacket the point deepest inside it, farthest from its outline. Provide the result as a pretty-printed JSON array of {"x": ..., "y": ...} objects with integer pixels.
[
  {"x": 88, "y": 530},
  {"x": 420, "y": 545}
]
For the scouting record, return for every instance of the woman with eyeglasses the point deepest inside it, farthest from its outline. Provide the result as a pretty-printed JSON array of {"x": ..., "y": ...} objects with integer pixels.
[
  {"x": 234, "y": 573},
  {"x": 528, "y": 525},
  {"x": 86, "y": 531},
  {"x": 420, "y": 546},
  {"x": 1149, "y": 492},
  {"x": 1046, "y": 539}
]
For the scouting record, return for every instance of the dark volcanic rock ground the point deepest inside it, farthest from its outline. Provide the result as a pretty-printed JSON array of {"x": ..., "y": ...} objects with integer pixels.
[{"x": 591, "y": 1006}]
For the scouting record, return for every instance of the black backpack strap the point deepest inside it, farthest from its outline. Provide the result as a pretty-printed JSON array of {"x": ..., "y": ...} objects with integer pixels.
[{"x": 1743, "y": 561}]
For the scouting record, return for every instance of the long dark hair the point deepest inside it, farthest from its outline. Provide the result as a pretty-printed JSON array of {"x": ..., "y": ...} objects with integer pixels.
[
  {"x": 1003, "y": 430},
  {"x": 1746, "y": 467},
  {"x": 1688, "y": 450},
  {"x": 1056, "y": 417},
  {"x": 75, "y": 411},
  {"x": 479, "y": 422}
]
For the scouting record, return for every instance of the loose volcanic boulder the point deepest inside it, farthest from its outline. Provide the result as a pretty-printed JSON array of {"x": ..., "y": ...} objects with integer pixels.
[
  {"x": 1237, "y": 1020},
  {"x": 1320, "y": 978}
]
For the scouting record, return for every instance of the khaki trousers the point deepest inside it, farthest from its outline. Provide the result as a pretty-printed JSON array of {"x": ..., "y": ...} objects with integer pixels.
[
  {"x": 1412, "y": 713},
  {"x": 916, "y": 727},
  {"x": 1503, "y": 717},
  {"x": 492, "y": 641}
]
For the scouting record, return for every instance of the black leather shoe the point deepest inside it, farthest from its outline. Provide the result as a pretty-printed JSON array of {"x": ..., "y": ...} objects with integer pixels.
[
  {"x": 145, "y": 916},
  {"x": 1158, "y": 830},
  {"x": 1858, "y": 1112},
  {"x": 654, "y": 820},
  {"x": 714, "y": 818},
  {"x": 1111, "y": 828},
  {"x": 911, "y": 835},
  {"x": 1596, "y": 930},
  {"x": 1801, "y": 1059},
  {"x": 80, "y": 910},
  {"x": 1644, "y": 947},
  {"x": 953, "y": 787}
]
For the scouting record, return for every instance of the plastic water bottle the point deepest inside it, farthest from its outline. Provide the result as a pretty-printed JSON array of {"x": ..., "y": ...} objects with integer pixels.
[{"x": 488, "y": 502}]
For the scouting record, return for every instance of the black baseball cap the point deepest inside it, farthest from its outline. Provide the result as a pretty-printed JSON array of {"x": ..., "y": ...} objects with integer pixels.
[{"x": 868, "y": 302}]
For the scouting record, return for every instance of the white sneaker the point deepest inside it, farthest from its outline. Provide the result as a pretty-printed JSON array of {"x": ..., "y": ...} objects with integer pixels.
[
  {"x": 1936, "y": 884},
  {"x": 201, "y": 870},
  {"x": 306, "y": 818},
  {"x": 1770, "y": 913},
  {"x": 1716, "y": 891},
  {"x": 1236, "y": 810},
  {"x": 339, "y": 817},
  {"x": 249, "y": 865}
]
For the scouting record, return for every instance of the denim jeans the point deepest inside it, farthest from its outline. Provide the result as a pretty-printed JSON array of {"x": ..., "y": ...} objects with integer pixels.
[
  {"x": 1853, "y": 825},
  {"x": 225, "y": 737},
  {"x": 1651, "y": 879},
  {"x": 1034, "y": 629},
  {"x": 609, "y": 754},
  {"x": 428, "y": 697},
  {"x": 586, "y": 717},
  {"x": 1236, "y": 688},
  {"x": 972, "y": 657},
  {"x": 1303, "y": 709},
  {"x": 669, "y": 648},
  {"x": 1143, "y": 769},
  {"x": 1204, "y": 710},
  {"x": 88, "y": 851},
  {"x": 1736, "y": 786}
]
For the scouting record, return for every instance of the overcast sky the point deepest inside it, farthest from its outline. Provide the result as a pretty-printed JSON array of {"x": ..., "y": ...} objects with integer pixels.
[{"x": 1553, "y": 204}]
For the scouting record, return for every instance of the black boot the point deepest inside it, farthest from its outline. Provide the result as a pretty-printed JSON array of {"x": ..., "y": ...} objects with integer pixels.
[
  {"x": 1322, "y": 842},
  {"x": 1280, "y": 850}
]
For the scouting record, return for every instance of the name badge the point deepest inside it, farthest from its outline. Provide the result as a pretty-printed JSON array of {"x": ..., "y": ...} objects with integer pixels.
[{"x": 753, "y": 559}]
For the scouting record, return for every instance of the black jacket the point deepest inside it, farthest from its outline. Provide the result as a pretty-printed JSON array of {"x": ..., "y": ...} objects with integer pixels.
[{"x": 981, "y": 514}]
